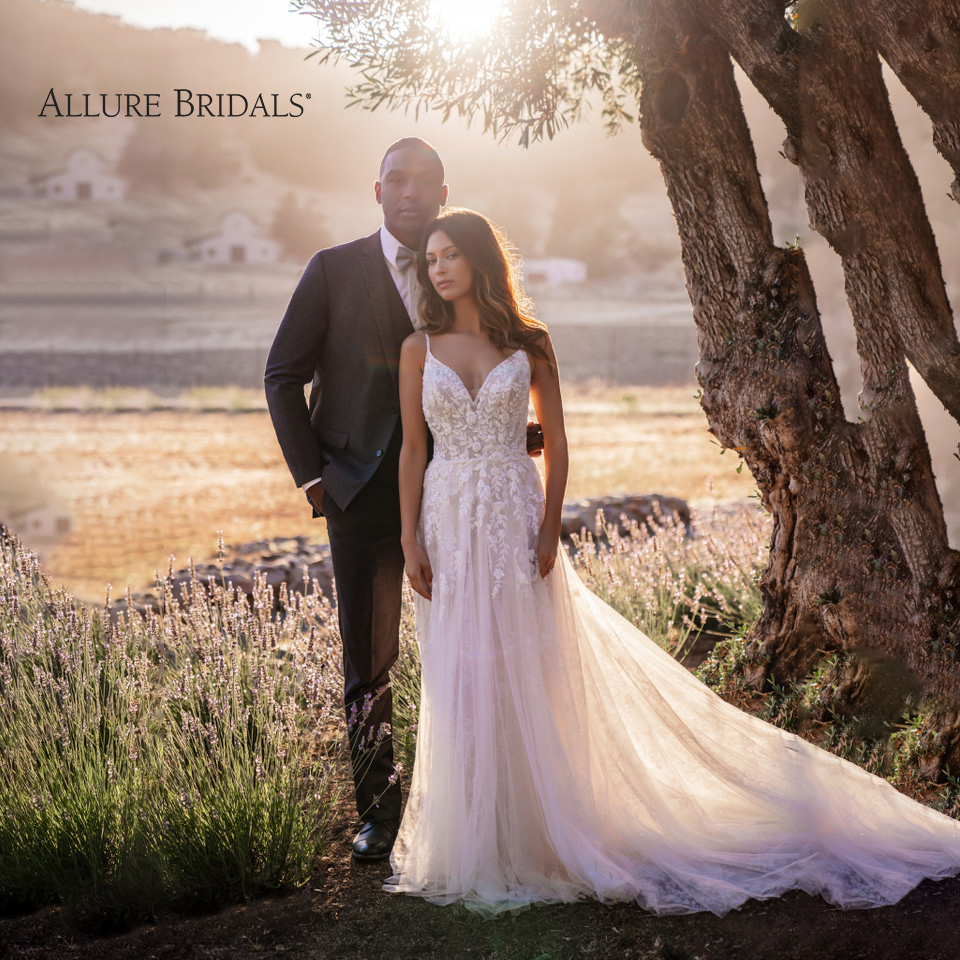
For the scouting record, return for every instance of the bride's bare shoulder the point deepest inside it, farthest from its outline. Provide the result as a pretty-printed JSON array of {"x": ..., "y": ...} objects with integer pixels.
[
  {"x": 415, "y": 344},
  {"x": 414, "y": 348}
]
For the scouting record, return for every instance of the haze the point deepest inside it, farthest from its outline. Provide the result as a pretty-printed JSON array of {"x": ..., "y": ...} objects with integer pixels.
[{"x": 234, "y": 21}]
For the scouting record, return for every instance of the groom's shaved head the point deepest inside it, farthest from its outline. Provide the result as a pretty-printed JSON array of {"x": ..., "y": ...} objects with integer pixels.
[
  {"x": 410, "y": 189},
  {"x": 415, "y": 143}
]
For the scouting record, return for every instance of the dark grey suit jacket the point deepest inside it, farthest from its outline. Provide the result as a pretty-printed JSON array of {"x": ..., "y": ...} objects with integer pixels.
[{"x": 342, "y": 330}]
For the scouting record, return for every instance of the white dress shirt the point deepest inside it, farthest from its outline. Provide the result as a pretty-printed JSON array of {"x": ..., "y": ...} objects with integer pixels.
[{"x": 406, "y": 280}]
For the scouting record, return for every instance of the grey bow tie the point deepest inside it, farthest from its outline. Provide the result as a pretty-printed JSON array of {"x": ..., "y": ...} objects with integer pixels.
[{"x": 405, "y": 258}]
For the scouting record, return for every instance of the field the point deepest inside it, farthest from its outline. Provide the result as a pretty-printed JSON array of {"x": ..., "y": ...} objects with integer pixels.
[
  {"x": 142, "y": 486},
  {"x": 173, "y": 826}
]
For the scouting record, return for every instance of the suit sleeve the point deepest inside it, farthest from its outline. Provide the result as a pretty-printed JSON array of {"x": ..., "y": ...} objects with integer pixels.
[{"x": 291, "y": 363}]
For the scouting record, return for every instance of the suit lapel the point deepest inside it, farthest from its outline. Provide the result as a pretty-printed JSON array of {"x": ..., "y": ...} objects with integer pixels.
[{"x": 389, "y": 313}]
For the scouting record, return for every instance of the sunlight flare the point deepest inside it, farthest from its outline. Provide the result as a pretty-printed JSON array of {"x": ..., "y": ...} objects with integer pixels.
[{"x": 462, "y": 21}]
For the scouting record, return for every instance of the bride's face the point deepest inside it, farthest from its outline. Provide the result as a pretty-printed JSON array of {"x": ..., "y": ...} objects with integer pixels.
[{"x": 448, "y": 269}]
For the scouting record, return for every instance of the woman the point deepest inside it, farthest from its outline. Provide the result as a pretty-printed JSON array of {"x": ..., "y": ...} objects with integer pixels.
[{"x": 561, "y": 752}]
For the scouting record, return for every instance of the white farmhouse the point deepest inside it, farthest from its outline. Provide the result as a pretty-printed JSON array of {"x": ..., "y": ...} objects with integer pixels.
[
  {"x": 554, "y": 271},
  {"x": 240, "y": 240},
  {"x": 38, "y": 522},
  {"x": 85, "y": 178},
  {"x": 42, "y": 521}
]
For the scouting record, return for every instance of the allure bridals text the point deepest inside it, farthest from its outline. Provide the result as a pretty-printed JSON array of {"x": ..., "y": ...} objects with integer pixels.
[{"x": 189, "y": 104}]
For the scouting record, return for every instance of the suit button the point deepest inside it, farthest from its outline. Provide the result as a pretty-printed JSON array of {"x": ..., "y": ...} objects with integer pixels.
[{"x": 379, "y": 453}]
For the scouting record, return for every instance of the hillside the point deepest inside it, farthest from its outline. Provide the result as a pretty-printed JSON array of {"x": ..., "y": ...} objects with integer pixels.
[
  {"x": 582, "y": 195},
  {"x": 560, "y": 198}
]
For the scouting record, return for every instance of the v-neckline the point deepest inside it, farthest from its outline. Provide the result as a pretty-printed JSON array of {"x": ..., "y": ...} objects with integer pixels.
[{"x": 473, "y": 399}]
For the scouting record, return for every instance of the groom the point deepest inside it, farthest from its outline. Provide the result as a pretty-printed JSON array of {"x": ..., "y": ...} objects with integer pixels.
[{"x": 342, "y": 331}]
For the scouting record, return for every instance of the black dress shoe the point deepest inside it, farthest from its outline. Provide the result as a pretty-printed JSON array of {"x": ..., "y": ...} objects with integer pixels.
[{"x": 375, "y": 841}]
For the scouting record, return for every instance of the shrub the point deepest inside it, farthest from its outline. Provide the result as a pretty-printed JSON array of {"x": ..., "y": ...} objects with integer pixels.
[{"x": 166, "y": 759}]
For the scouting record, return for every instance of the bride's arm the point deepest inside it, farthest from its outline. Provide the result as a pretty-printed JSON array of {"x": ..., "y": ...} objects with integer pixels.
[
  {"x": 545, "y": 392},
  {"x": 413, "y": 461}
]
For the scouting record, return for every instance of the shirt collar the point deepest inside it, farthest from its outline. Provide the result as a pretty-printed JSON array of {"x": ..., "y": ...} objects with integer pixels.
[{"x": 390, "y": 245}]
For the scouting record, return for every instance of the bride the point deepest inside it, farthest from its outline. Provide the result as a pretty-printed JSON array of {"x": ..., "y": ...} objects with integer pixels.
[{"x": 561, "y": 752}]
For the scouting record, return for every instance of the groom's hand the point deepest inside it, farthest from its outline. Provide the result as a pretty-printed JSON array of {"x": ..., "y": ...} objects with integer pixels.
[
  {"x": 534, "y": 439},
  {"x": 315, "y": 495}
]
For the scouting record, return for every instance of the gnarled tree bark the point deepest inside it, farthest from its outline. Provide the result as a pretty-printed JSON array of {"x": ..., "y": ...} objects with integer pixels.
[
  {"x": 921, "y": 43},
  {"x": 859, "y": 556},
  {"x": 862, "y": 193}
]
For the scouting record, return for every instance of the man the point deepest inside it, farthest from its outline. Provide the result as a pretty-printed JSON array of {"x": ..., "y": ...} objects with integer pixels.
[{"x": 343, "y": 329}]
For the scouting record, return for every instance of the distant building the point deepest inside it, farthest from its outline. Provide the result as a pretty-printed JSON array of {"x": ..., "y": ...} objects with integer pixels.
[
  {"x": 38, "y": 523},
  {"x": 43, "y": 522},
  {"x": 240, "y": 240},
  {"x": 554, "y": 271},
  {"x": 86, "y": 178}
]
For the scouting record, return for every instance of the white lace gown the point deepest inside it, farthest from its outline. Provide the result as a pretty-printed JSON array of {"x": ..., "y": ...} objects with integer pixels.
[{"x": 562, "y": 753}]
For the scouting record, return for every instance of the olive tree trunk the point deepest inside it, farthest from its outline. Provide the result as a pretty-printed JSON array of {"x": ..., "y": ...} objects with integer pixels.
[
  {"x": 921, "y": 43},
  {"x": 859, "y": 557}
]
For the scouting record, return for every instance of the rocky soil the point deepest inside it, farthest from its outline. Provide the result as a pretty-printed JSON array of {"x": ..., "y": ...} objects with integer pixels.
[{"x": 297, "y": 561}]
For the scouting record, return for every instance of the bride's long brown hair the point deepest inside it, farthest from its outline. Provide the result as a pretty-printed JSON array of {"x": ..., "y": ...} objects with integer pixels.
[{"x": 506, "y": 314}]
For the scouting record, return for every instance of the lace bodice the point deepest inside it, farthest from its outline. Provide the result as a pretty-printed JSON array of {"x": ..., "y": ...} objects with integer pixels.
[
  {"x": 480, "y": 477},
  {"x": 493, "y": 425}
]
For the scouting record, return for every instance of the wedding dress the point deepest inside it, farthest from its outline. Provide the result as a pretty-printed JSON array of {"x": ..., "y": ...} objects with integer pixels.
[{"x": 562, "y": 753}]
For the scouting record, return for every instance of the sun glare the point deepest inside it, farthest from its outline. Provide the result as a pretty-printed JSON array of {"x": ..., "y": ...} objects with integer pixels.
[{"x": 463, "y": 19}]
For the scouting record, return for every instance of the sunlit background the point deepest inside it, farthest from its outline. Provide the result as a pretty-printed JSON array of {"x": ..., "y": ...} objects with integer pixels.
[
  {"x": 152, "y": 293},
  {"x": 233, "y": 21},
  {"x": 465, "y": 20},
  {"x": 248, "y": 21}
]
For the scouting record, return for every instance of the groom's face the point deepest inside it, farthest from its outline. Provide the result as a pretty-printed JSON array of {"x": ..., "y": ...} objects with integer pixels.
[{"x": 411, "y": 192}]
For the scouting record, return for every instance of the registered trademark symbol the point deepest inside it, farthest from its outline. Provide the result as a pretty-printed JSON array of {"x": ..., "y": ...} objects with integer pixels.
[{"x": 307, "y": 96}]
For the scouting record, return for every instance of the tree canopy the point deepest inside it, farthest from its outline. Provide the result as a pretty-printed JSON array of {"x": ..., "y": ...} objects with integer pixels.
[{"x": 534, "y": 71}]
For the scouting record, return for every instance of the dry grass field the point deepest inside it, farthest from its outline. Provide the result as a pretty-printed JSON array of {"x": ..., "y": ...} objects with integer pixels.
[{"x": 141, "y": 487}]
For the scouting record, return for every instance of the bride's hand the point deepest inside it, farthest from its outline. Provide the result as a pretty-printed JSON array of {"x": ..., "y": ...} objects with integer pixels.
[
  {"x": 547, "y": 546},
  {"x": 418, "y": 571}
]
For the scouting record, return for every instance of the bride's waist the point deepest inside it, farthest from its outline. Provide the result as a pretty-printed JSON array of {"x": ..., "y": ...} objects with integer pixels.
[{"x": 488, "y": 456}]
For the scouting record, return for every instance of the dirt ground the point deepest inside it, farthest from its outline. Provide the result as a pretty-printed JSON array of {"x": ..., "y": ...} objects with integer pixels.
[
  {"x": 142, "y": 486},
  {"x": 343, "y": 914}
]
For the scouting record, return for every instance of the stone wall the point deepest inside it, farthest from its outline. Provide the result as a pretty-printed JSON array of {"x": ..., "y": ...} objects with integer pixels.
[{"x": 297, "y": 563}]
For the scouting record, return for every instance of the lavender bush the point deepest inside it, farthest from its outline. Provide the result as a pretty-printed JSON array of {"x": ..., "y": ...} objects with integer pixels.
[
  {"x": 196, "y": 756},
  {"x": 186, "y": 759},
  {"x": 673, "y": 586}
]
